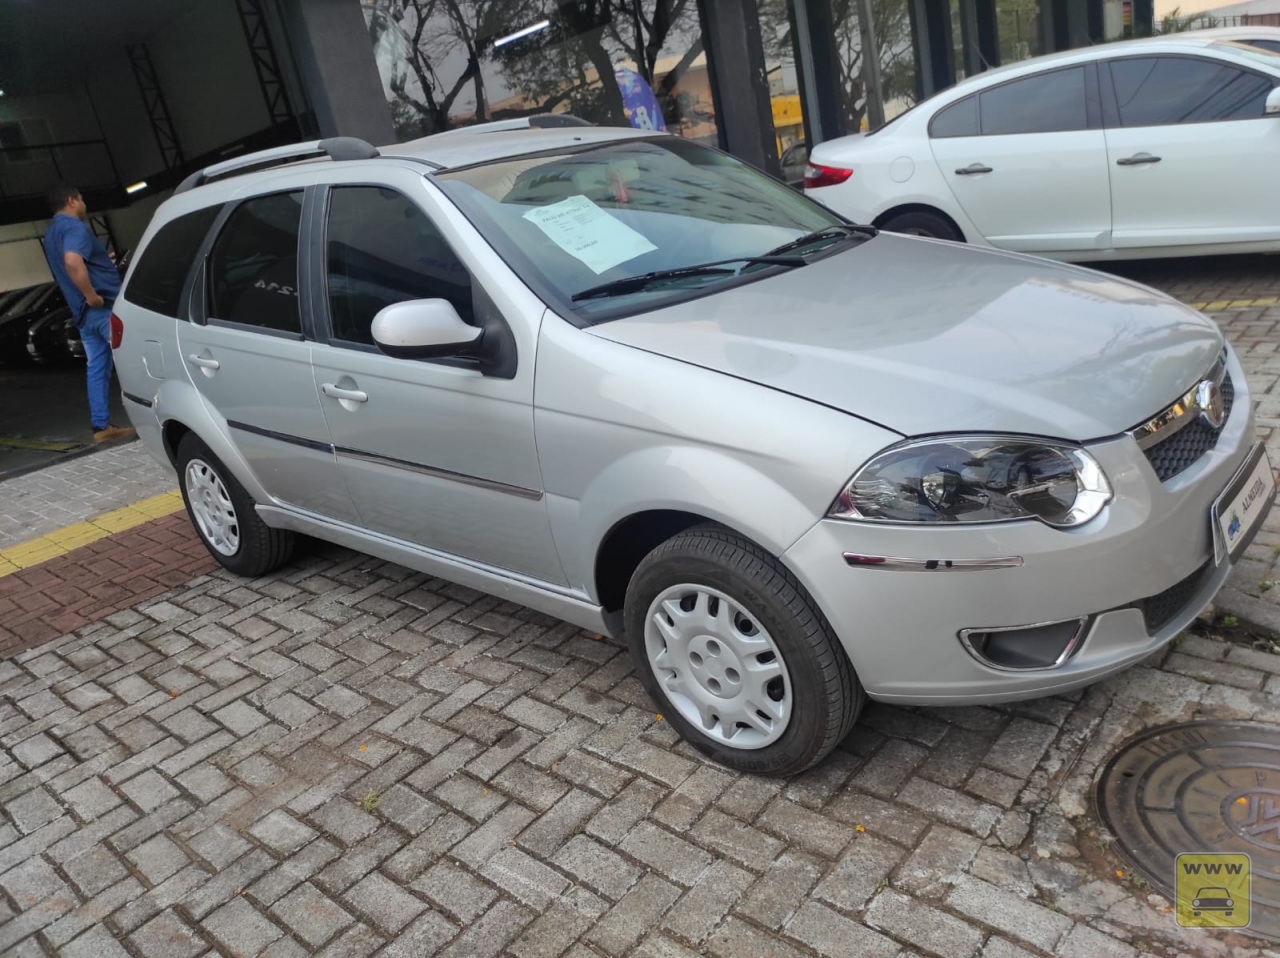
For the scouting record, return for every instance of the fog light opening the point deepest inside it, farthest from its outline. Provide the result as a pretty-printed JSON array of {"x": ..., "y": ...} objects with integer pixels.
[{"x": 1047, "y": 645}]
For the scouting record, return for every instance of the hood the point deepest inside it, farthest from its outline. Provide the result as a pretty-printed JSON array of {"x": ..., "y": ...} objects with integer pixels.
[{"x": 924, "y": 337}]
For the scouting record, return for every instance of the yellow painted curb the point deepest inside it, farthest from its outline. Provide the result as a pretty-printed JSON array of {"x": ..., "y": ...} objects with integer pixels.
[
  {"x": 61, "y": 541},
  {"x": 44, "y": 445},
  {"x": 1236, "y": 303}
]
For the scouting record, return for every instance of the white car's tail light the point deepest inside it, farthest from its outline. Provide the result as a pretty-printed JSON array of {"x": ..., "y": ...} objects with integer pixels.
[{"x": 817, "y": 175}]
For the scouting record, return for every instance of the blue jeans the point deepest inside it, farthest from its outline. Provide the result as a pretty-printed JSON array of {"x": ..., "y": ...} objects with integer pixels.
[{"x": 95, "y": 333}]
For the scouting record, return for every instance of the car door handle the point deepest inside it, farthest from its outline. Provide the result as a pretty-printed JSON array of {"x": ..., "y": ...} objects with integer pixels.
[
  {"x": 973, "y": 169},
  {"x": 203, "y": 361},
  {"x": 1138, "y": 159},
  {"x": 337, "y": 392}
]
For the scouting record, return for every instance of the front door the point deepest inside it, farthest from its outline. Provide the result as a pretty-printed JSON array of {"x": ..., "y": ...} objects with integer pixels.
[
  {"x": 247, "y": 356},
  {"x": 1027, "y": 160},
  {"x": 434, "y": 452},
  {"x": 1193, "y": 159}
]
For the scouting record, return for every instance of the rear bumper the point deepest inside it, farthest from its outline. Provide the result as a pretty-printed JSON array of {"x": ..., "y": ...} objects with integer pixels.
[
  {"x": 902, "y": 629},
  {"x": 142, "y": 415}
]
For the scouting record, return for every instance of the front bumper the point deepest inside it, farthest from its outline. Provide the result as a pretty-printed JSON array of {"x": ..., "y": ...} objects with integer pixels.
[{"x": 901, "y": 629}]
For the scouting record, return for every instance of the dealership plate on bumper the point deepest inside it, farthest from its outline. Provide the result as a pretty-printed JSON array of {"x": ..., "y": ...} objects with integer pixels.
[{"x": 1239, "y": 510}]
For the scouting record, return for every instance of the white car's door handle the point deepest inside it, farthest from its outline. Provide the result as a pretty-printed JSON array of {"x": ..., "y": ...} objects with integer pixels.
[
  {"x": 973, "y": 169},
  {"x": 1138, "y": 159},
  {"x": 203, "y": 361},
  {"x": 337, "y": 392}
]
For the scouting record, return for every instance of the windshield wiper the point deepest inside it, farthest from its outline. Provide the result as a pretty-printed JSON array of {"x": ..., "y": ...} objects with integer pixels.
[
  {"x": 632, "y": 284},
  {"x": 834, "y": 231}
]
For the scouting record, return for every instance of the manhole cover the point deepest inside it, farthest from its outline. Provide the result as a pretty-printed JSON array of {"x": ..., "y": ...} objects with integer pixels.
[{"x": 1200, "y": 787}]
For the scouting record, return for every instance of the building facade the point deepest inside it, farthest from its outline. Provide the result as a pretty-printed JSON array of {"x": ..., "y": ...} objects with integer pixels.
[
  {"x": 752, "y": 76},
  {"x": 142, "y": 92}
]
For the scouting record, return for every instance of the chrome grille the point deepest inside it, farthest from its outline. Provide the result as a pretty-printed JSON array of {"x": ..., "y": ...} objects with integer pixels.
[{"x": 1172, "y": 455}]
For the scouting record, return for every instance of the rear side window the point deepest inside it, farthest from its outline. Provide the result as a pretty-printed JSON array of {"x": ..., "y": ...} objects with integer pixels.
[
  {"x": 156, "y": 283},
  {"x": 1167, "y": 91},
  {"x": 1044, "y": 103},
  {"x": 382, "y": 249},
  {"x": 959, "y": 119},
  {"x": 253, "y": 269}
]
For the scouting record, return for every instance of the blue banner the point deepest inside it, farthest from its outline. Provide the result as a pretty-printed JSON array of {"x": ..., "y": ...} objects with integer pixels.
[{"x": 643, "y": 110}]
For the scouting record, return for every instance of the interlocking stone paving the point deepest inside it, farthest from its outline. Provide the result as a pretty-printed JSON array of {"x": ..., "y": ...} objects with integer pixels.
[
  {"x": 349, "y": 758},
  {"x": 69, "y": 492}
]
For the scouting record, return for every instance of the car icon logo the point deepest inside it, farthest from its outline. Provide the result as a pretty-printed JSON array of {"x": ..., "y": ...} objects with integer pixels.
[
  {"x": 1234, "y": 527},
  {"x": 1213, "y": 899}
]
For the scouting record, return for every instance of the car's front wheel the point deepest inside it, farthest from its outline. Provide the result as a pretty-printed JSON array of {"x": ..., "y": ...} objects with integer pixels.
[
  {"x": 224, "y": 515},
  {"x": 736, "y": 654}
]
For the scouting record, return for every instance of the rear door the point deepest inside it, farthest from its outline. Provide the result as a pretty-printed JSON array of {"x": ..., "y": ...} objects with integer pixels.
[
  {"x": 1192, "y": 158},
  {"x": 1027, "y": 160},
  {"x": 247, "y": 354}
]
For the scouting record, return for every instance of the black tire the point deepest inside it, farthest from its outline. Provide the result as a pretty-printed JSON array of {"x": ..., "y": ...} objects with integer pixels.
[
  {"x": 261, "y": 548},
  {"x": 924, "y": 223},
  {"x": 827, "y": 696}
]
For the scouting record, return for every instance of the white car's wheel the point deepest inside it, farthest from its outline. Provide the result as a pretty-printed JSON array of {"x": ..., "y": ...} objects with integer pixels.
[{"x": 923, "y": 223}]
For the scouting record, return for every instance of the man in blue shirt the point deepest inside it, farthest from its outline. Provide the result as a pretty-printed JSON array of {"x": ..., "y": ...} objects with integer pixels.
[{"x": 89, "y": 281}]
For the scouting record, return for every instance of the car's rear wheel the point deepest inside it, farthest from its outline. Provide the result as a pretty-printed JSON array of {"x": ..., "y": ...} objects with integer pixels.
[
  {"x": 736, "y": 654},
  {"x": 224, "y": 515},
  {"x": 923, "y": 223}
]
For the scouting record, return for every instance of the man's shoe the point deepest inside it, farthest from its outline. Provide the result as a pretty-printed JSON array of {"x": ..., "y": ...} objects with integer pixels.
[{"x": 113, "y": 432}]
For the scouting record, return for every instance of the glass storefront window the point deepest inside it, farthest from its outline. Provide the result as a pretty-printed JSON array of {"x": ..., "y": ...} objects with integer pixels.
[
  {"x": 895, "y": 53},
  {"x": 780, "y": 68},
  {"x": 451, "y": 63},
  {"x": 1018, "y": 27}
]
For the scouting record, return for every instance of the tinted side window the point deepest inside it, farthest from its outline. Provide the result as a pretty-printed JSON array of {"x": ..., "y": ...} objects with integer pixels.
[
  {"x": 382, "y": 249},
  {"x": 959, "y": 119},
  {"x": 1272, "y": 45},
  {"x": 156, "y": 283},
  {"x": 253, "y": 270},
  {"x": 1162, "y": 91},
  {"x": 1046, "y": 103}
]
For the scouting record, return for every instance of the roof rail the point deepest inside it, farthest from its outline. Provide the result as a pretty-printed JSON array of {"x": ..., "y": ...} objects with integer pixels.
[
  {"x": 539, "y": 121},
  {"x": 335, "y": 147}
]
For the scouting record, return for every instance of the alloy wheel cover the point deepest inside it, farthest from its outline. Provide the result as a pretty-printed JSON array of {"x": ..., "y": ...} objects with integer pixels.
[{"x": 719, "y": 667}]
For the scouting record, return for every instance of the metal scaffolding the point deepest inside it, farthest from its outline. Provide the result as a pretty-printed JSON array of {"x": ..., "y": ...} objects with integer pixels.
[
  {"x": 265, "y": 63},
  {"x": 144, "y": 71}
]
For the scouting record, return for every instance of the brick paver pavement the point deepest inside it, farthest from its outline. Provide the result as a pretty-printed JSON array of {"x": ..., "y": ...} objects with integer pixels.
[
  {"x": 59, "y": 495},
  {"x": 348, "y": 758},
  {"x": 93, "y": 581}
]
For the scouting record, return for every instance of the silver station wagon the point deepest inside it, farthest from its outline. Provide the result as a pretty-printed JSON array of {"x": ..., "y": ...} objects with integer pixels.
[{"x": 626, "y": 380}]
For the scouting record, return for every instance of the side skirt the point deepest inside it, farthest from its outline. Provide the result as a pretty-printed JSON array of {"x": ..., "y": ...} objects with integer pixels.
[{"x": 572, "y": 606}]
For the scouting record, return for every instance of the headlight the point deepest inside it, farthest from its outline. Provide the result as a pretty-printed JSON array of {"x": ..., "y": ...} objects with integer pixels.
[{"x": 987, "y": 479}]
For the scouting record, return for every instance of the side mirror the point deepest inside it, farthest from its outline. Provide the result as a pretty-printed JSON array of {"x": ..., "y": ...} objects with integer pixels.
[
  {"x": 422, "y": 329},
  {"x": 1272, "y": 107}
]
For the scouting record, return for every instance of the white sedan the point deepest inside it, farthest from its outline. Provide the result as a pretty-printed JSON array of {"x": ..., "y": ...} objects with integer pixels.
[{"x": 1166, "y": 146}]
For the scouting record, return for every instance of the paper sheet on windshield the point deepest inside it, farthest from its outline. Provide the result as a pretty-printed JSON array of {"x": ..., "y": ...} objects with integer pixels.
[{"x": 588, "y": 233}]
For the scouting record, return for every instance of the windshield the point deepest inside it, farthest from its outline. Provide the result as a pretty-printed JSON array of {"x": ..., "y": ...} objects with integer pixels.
[{"x": 575, "y": 219}]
